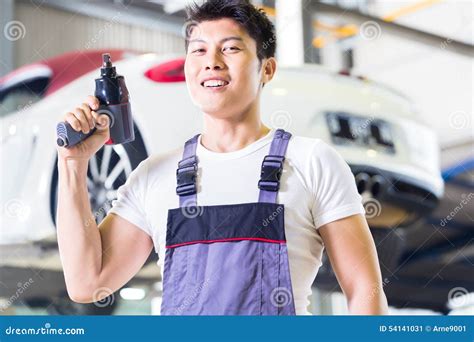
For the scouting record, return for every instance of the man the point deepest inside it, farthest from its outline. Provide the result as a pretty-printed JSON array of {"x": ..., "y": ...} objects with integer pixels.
[{"x": 234, "y": 235}]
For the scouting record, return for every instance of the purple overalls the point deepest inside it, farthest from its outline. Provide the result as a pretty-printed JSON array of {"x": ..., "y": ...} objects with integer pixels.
[{"x": 228, "y": 259}]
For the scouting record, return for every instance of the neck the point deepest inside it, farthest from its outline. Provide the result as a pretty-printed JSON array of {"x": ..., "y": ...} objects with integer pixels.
[{"x": 232, "y": 134}]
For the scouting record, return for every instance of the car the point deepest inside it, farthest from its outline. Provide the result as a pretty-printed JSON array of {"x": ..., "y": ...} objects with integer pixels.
[
  {"x": 435, "y": 269},
  {"x": 393, "y": 154}
]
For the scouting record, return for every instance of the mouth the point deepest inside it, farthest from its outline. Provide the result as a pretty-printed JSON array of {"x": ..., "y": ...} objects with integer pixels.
[{"x": 214, "y": 84}]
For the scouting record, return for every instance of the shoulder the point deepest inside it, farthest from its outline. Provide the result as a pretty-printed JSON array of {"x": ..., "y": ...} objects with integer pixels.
[
  {"x": 318, "y": 163},
  {"x": 304, "y": 150},
  {"x": 165, "y": 160},
  {"x": 160, "y": 164}
]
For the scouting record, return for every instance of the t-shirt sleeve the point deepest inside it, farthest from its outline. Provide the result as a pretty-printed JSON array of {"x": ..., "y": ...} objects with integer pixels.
[
  {"x": 130, "y": 202},
  {"x": 334, "y": 188}
]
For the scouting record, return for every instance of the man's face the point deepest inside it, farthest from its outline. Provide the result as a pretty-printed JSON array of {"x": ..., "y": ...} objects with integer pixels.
[{"x": 222, "y": 69}]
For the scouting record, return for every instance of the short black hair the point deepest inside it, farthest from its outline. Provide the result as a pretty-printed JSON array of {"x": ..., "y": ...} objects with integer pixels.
[{"x": 252, "y": 19}]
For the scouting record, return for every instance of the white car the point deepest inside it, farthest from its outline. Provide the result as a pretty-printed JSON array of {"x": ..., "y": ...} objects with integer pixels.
[{"x": 393, "y": 155}]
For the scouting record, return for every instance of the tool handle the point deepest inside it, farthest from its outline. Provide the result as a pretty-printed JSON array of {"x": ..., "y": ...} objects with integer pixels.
[{"x": 68, "y": 136}]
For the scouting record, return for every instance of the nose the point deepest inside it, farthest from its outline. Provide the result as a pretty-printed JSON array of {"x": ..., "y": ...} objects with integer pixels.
[{"x": 214, "y": 62}]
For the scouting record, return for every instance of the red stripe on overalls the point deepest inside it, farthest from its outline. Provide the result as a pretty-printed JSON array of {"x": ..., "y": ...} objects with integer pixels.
[{"x": 224, "y": 240}]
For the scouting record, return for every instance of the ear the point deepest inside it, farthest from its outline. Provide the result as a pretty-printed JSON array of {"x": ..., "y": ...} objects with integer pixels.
[{"x": 268, "y": 69}]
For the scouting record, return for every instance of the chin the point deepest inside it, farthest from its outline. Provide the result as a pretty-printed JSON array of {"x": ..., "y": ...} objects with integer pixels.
[
  {"x": 217, "y": 112},
  {"x": 211, "y": 107}
]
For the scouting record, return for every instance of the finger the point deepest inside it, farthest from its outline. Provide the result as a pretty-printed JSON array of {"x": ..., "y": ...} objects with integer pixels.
[
  {"x": 81, "y": 116},
  {"x": 95, "y": 116},
  {"x": 72, "y": 120},
  {"x": 87, "y": 111},
  {"x": 93, "y": 102}
]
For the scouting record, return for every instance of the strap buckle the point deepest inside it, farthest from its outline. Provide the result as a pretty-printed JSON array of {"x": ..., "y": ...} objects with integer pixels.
[
  {"x": 186, "y": 176},
  {"x": 272, "y": 167}
]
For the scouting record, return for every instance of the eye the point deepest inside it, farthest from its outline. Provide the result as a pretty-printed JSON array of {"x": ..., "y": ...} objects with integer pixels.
[
  {"x": 197, "y": 51},
  {"x": 231, "y": 48}
]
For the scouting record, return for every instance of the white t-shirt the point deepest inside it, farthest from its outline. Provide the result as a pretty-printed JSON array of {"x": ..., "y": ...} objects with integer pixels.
[{"x": 316, "y": 187}]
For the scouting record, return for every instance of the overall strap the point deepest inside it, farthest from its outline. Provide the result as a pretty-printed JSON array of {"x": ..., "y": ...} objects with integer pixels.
[
  {"x": 186, "y": 174},
  {"x": 272, "y": 166}
]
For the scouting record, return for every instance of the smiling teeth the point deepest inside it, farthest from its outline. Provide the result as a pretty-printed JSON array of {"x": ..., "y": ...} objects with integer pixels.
[{"x": 214, "y": 83}]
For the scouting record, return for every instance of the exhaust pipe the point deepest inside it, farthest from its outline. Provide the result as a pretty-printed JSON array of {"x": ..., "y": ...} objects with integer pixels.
[
  {"x": 362, "y": 181},
  {"x": 378, "y": 185}
]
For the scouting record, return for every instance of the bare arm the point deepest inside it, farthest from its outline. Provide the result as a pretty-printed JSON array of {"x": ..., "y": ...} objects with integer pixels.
[
  {"x": 353, "y": 256},
  {"x": 93, "y": 257}
]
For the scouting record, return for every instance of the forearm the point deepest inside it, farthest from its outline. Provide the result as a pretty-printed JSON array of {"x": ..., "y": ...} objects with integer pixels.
[
  {"x": 78, "y": 237},
  {"x": 370, "y": 300}
]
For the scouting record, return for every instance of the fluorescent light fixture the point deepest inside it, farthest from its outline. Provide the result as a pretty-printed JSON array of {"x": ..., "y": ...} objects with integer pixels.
[{"x": 130, "y": 293}]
